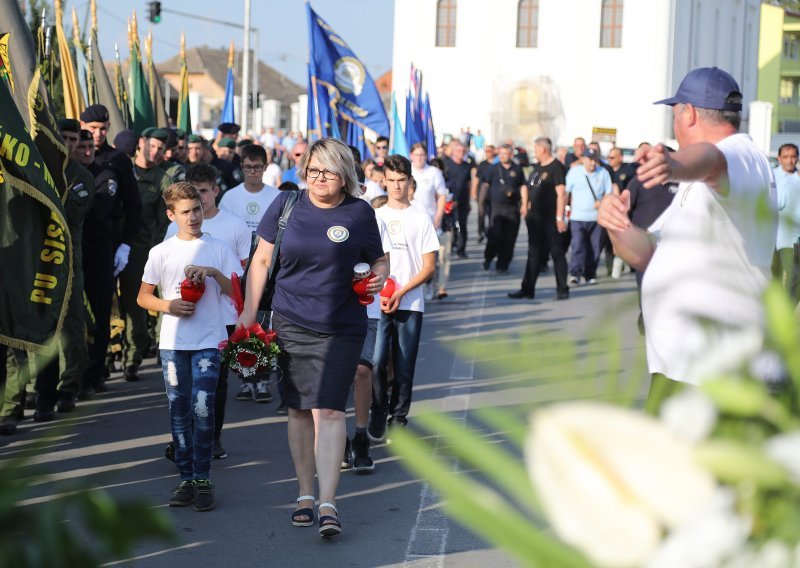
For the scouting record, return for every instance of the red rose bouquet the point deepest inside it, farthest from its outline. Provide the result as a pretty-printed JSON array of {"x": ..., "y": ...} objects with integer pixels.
[{"x": 250, "y": 350}]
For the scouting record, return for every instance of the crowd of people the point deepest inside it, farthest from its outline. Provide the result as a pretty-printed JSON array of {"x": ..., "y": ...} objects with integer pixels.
[{"x": 156, "y": 209}]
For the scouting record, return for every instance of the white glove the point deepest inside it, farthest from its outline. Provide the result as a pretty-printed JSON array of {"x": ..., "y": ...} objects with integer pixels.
[{"x": 121, "y": 258}]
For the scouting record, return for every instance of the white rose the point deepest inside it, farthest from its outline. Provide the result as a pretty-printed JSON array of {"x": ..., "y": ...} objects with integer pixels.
[{"x": 611, "y": 480}]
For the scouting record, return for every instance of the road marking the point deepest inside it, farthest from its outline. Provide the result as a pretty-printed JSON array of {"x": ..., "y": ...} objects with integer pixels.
[{"x": 427, "y": 542}]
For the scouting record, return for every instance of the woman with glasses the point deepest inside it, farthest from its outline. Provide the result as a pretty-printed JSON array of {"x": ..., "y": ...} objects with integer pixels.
[{"x": 320, "y": 323}]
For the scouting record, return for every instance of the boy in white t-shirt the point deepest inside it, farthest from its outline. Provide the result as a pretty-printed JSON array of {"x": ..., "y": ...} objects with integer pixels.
[
  {"x": 249, "y": 201},
  {"x": 235, "y": 233},
  {"x": 413, "y": 258},
  {"x": 190, "y": 334}
]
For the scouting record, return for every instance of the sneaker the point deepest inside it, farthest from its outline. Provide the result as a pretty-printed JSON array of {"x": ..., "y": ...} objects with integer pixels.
[
  {"x": 218, "y": 452},
  {"x": 362, "y": 462},
  {"x": 8, "y": 425},
  {"x": 262, "y": 392},
  {"x": 169, "y": 452},
  {"x": 347, "y": 462},
  {"x": 183, "y": 495},
  {"x": 395, "y": 424},
  {"x": 572, "y": 281},
  {"x": 282, "y": 409},
  {"x": 376, "y": 431},
  {"x": 132, "y": 373},
  {"x": 247, "y": 392},
  {"x": 591, "y": 281},
  {"x": 203, "y": 495},
  {"x": 66, "y": 403}
]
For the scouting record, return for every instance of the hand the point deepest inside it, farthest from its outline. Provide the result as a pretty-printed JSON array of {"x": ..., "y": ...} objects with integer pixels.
[
  {"x": 246, "y": 320},
  {"x": 561, "y": 226},
  {"x": 613, "y": 212},
  {"x": 390, "y": 305},
  {"x": 656, "y": 166},
  {"x": 523, "y": 210},
  {"x": 121, "y": 258},
  {"x": 376, "y": 284},
  {"x": 199, "y": 273},
  {"x": 181, "y": 308}
]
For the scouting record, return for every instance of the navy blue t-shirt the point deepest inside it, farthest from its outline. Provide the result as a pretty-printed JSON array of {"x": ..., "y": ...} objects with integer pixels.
[{"x": 319, "y": 249}]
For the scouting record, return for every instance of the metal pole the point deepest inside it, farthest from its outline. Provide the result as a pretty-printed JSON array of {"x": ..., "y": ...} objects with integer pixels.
[
  {"x": 246, "y": 67},
  {"x": 256, "y": 127},
  {"x": 167, "y": 95}
]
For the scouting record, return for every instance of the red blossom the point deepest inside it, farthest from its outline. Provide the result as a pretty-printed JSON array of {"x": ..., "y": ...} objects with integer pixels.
[
  {"x": 222, "y": 345},
  {"x": 246, "y": 359},
  {"x": 270, "y": 337},
  {"x": 239, "y": 334}
]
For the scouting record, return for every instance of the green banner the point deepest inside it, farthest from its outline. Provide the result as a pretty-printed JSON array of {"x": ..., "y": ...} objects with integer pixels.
[{"x": 35, "y": 244}]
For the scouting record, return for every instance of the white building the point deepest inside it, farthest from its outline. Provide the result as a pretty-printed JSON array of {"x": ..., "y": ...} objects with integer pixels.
[{"x": 523, "y": 68}]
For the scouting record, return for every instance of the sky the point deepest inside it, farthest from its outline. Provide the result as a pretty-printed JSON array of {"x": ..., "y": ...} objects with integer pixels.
[{"x": 366, "y": 25}]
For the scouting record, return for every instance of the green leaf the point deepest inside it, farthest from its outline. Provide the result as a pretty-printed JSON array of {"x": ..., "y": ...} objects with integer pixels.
[{"x": 734, "y": 462}]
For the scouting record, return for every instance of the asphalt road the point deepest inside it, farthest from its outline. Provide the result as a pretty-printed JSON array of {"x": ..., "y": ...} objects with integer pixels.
[{"x": 390, "y": 517}]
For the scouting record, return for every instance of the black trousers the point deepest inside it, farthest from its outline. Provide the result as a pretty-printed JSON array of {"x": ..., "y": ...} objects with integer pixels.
[
  {"x": 502, "y": 236},
  {"x": 98, "y": 274},
  {"x": 544, "y": 240},
  {"x": 221, "y": 393},
  {"x": 462, "y": 211}
]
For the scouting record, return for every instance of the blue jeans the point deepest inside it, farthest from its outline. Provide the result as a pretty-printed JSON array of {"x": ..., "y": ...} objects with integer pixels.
[
  {"x": 190, "y": 378},
  {"x": 586, "y": 245},
  {"x": 399, "y": 332}
]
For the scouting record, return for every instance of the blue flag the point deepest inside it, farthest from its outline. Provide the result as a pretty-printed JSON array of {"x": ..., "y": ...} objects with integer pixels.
[
  {"x": 339, "y": 83},
  {"x": 415, "y": 127},
  {"x": 227, "y": 106},
  {"x": 430, "y": 135},
  {"x": 398, "y": 143},
  {"x": 355, "y": 138}
]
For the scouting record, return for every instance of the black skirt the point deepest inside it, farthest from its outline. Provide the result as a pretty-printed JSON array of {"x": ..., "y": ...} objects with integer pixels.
[{"x": 316, "y": 369}]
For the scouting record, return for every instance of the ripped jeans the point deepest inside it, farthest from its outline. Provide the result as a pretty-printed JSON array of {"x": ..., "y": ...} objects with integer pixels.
[{"x": 190, "y": 378}]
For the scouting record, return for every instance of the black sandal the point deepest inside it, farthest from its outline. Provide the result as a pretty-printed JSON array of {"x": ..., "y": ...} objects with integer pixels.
[
  {"x": 305, "y": 512},
  {"x": 328, "y": 524}
]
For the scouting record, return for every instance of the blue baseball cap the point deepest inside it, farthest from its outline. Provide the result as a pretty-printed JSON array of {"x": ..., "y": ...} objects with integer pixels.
[{"x": 706, "y": 87}]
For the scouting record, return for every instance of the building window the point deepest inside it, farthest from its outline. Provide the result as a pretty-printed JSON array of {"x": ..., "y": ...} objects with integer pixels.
[
  {"x": 527, "y": 23},
  {"x": 611, "y": 24},
  {"x": 446, "y": 23},
  {"x": 790, "y": 92},
  {"x": 791, "y": 47}
]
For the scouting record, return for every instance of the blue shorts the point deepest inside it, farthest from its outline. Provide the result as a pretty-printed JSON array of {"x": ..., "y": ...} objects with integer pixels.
[{"x": 368, "y": 352}]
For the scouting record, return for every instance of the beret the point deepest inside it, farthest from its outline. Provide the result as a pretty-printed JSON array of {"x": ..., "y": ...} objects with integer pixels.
[
  {"x": 194, "y": 138},
  {"x": 229, "y": 128},
  {"x": 69, "y": 125},
  {"x": 85, "y": 135},
  {"x": 95, "y": 113},
  {"x": 125, "y": 142},
  {"x": 159, "y": 134},
  {"x": 226, "y": 143}
]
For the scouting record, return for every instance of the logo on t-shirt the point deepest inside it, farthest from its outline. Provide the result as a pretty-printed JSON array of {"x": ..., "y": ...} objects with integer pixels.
[
  {"x": 394, "y": 227},
  {"x": 338, "y": 234},
  {"x": 252, "y": 208}
]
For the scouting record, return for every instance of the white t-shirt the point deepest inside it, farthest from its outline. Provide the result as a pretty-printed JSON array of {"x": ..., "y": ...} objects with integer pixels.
[
  {"x": 374, "y": 309},
  {"x": 430, "y": 185},
  {"x": 272, "y": 175},
  {"x": 789, "y": 206},
  {"x": 373, "y": 190},
  {"x": 412, "y": 234},
  {"x": 165, "y": 268},
  {"x": 711, "y": 264},
  {"x": 249, "y": 207},
  {"x": 234, "y": 233}
]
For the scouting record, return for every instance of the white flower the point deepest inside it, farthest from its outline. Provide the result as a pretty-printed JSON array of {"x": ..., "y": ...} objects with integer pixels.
[
  {"x": 611, "y": 479},
  {"x": 706, "y": 540},
  {"x": 690, "y": 415},
  {"x": 785, "y": 449}
]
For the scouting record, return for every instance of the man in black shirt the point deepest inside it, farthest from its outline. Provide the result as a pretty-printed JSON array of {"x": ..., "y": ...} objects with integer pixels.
[
  {"x": 458, "y": 176},
  {"x": 509, "y": 196},
  {"x": 106, "y": 248},
  {"x": 574, "y": 158},
  {"x": 480, "y": 192},
  {"x": 622, "y": 173},
  {"x": 545, "y": 221}
]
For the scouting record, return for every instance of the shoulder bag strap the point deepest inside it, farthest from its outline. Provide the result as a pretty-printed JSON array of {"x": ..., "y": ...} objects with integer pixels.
[
  {"x": 590, "y": 187},
  {"x": 288, "y": 207}
]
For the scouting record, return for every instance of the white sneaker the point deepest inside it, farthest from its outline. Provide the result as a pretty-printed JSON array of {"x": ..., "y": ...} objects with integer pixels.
[
  {"x": 573, "y": 281},
  {"x": 429, "y": 291},
  {"x": 247, "y": 392},
  {"x": 619, "y": 266},
  {"x": 592, "y": 281}
]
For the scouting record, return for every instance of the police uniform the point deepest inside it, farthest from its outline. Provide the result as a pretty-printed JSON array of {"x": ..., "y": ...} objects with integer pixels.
[
  {"x": 114, "y": 218},
  {"x": 174, "y": 170},
  {"x": 505, "y": 197},
  {"x": 151, "y": 183}
]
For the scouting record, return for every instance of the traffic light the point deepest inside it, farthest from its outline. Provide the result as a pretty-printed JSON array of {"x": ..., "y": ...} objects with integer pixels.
[{"x": 154, "y": 12}]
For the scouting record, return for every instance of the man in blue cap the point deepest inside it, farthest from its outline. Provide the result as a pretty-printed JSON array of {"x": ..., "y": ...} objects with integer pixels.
[{"x": 707, "y": 257}]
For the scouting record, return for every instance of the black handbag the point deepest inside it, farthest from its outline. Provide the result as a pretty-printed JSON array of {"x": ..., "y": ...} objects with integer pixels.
[{"x": 269, "y": 289}]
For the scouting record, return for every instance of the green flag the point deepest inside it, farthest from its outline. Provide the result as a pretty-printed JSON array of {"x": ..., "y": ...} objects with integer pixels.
[
  {"x": 35, "y": 244},
  {"x": 101, "y": 90},
  {"x": 184, "y": 121},
  {"x": 141, "y": 106},
  {"x": 122, "y": 94}
]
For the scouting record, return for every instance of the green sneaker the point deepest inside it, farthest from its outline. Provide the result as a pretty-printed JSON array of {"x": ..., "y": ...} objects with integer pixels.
[
  {"x": 183, "y": 495},
  {"x": 203, "y": 495}
]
